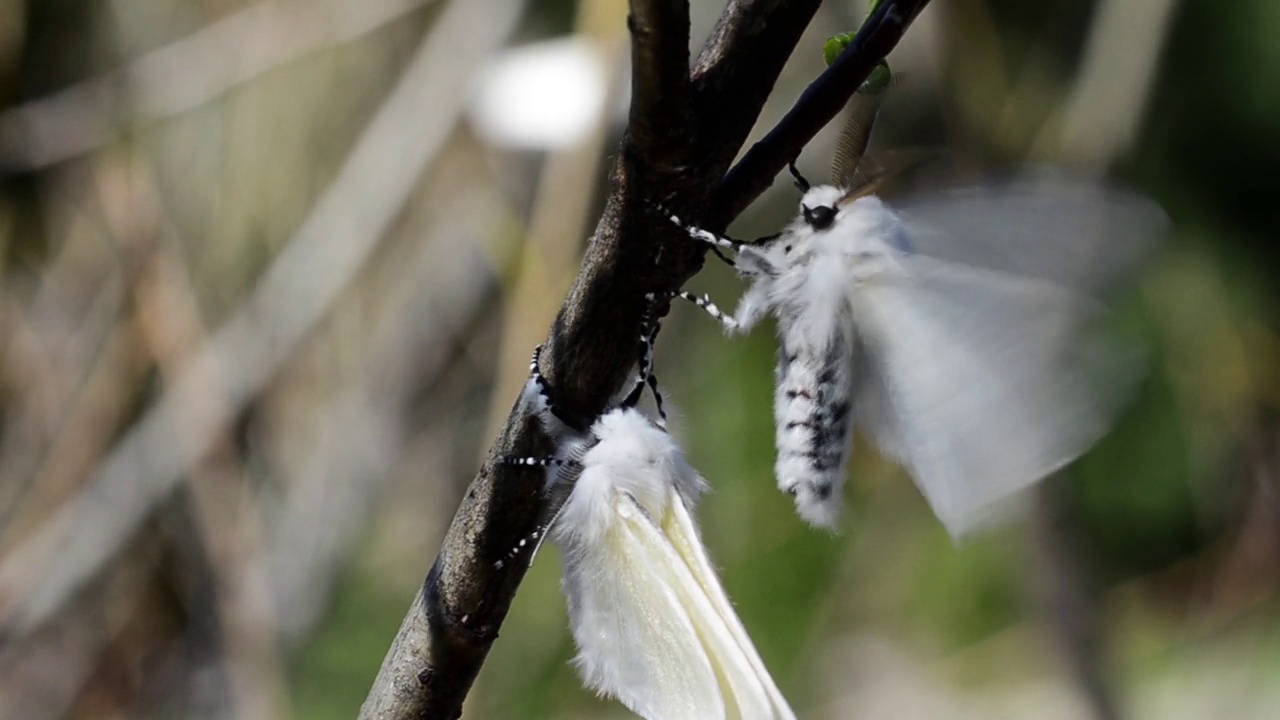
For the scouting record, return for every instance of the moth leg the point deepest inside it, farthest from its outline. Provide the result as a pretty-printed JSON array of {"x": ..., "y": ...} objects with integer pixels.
[
  {"x": 531, "y": 543},
  {"x": 548, "y": 461},
  {"x": 646, "y": 366},
  {"x": 544, "y": 393},
  {"x": 719, "y": 241},
  {"x": 701, "y": 235},
  {"x": 555, "y": 493},
  {"x": 704, "y": 302},
  {"x": 648, "y": 337}
]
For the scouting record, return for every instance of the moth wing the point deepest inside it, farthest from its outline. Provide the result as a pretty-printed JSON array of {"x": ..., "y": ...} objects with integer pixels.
[
  {"x": 1073, "y": 231},
  {"x": 630, "y": 625},
  {"x": 763, "y": 693},
  {"x": 647, "y": 627},
  {"x": 981, "y": 383}
]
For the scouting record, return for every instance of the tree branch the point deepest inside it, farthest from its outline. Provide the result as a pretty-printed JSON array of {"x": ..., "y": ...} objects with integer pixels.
[
  {"x": 819, "y": 103},
  {"x": 676, "y": 146},
  {"x": 659, "y": 121},
  {"x": 736, "y": 71}
]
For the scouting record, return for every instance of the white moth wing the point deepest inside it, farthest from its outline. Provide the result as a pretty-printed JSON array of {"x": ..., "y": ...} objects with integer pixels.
[
  {"x": 648, "y": 615},
  {"x": 1073, "y": 231},
  {"x": 766, "y": 701},
  {"x": 636, "y": 639},
  {"x": 980, "y": 383}
]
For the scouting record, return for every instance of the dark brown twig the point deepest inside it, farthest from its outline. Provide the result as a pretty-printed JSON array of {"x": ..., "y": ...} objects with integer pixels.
[
  {"x": 684, "y": 131},
  {"x": 819, "y": 103},
  {"x": 737, "y": 69},
  {"x": 658, "y": 123}
]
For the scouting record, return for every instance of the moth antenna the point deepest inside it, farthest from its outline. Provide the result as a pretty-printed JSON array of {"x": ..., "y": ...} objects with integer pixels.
[
  {"x": 800, "y": 181},
  {"x": 856, "y": 133},
  {"x": 544, "y": 392}
]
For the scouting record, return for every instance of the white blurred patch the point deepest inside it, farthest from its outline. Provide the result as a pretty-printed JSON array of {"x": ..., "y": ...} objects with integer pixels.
[{"x": 540, "y": 96}]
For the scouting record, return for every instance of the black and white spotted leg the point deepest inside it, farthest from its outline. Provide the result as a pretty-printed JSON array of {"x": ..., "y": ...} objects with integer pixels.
[
  {"x": 720, "y": 241},
  {"x": 648, "y": 335},
  {"x": 647, "y": 343},
  {"x": 657, "y": 394},
  {"x": 716, "y": 241},
  {"x": 555, "y": 494},
  {"x": 633, "y": 398},
  {"x": 701, "y": 235},
  {"x": 549, "y": 461},
  {"x": 530, "y": 544},
  {"x": 710, "y": 308},
  {"x": 544, "y": 392},
  {"x": 555, "y": 497}
]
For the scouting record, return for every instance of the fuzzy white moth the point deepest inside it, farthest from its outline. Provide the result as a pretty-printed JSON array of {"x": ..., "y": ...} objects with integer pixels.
[
  {"x": 653, "y": 626},
  {"x": 952, "y": 329}
]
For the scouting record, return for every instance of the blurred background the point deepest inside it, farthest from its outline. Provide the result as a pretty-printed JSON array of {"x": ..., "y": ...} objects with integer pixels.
[{"x": 270, "y": 271}]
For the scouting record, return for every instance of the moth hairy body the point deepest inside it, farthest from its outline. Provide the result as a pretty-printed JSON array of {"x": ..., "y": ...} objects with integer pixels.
[
  {"x": 651, "y": 622},
  {"x": 804, "y": 279},
  {"x": 950, "y": 331}
]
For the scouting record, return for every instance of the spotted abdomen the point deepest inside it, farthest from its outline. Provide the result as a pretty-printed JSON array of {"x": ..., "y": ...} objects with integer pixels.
[{"x": 813, "y": 411}]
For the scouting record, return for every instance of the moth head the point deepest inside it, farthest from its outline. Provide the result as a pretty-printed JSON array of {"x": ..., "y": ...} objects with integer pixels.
[{"x": 819, "y": 206}]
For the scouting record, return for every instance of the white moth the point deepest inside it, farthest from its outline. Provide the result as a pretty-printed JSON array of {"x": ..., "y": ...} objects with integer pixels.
[
  {"x": 652, "y": 624},
  {"x": 952, "y": 330}
]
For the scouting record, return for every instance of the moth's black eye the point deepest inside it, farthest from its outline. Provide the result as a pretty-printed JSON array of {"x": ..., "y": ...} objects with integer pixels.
[
  {"x": 786, "y": 249},
  {"x": 821, "y": 217}
]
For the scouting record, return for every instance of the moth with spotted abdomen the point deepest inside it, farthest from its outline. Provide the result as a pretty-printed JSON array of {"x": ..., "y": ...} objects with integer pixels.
[{"x": 954, "y": 329}]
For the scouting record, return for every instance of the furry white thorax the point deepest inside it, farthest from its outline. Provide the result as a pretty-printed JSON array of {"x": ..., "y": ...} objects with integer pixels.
[
  {"x": 628, "y": 454},
  {"x": 810, "y": 290}
]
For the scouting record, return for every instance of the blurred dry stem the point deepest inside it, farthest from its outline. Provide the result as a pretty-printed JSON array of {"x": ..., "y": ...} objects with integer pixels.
[
  {"x": 182, "y": 76},
  {"x": 255, "y": 552},
  {"x": 1109, "y": 98},
  {"x": 319, "y": 261},
  {"x": 226, "y": 516}
]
